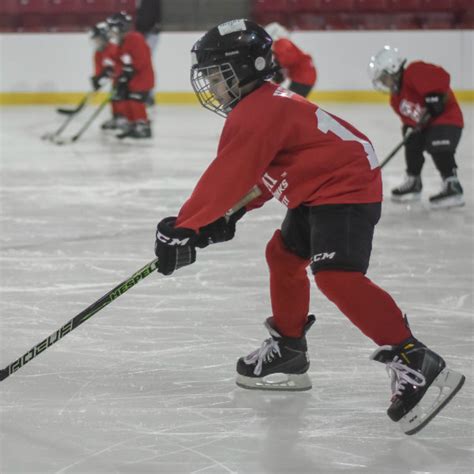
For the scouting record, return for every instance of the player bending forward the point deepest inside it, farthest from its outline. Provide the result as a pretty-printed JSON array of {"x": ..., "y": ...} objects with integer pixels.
[{"x": 326, "y": 172}]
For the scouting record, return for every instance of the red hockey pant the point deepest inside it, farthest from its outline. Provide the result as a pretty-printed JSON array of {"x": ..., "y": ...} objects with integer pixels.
[
  {"x": 133, "y": 110},
  {"x": 368, "y": 306}
]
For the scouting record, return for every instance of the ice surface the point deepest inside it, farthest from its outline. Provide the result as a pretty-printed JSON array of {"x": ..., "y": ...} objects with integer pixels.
[{"x": 147, "y": 384}]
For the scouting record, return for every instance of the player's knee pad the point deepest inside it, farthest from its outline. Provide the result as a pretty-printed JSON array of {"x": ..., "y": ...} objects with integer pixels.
[{"x": 280, "y": 259}]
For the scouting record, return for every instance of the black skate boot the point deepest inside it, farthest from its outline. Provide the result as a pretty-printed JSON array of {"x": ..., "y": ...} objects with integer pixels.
[
  {"x": 414, "y": 369},
  {"x": 117, "y": 122},
  {"x": 140, "y": 129},
  {"x": 281, "y": 362},
  {"x": 451, "y": 194},
  {"x": 409, "y": 190}
]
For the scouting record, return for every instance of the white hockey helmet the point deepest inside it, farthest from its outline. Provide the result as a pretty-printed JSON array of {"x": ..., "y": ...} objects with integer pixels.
[
  {"x": 277, "y": 31},
  {"x": 385, "y": 68}
]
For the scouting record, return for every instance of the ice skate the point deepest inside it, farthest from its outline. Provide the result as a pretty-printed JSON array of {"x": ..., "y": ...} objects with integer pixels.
[
  {"x": 281, "y": 363},
  {"x": 140, "y": 129},
  {"x": 451, "y": 195},
  {"x": 409, "y": 190},
  {"x": 117, "y": 122},
  {"x": 421, "y": 383}
]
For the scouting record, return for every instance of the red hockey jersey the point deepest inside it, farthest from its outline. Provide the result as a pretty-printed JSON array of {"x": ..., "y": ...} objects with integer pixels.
[
  {"x": 135, "y": 51},
  {"x": 420, "y": 79},
  {"x": 299, "y": 65},
  {"x": 104, "y": 58},
  {"x": 295, "y": 152}
]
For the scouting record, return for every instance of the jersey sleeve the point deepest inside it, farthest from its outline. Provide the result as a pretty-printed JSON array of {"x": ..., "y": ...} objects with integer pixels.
[
  {"x": 286, "y": 53},
  {"x": 138, "y": 50},
  {"x": 245, "y": 150},
  {"x": 97, "y": 63},
  {"x": 428, "y": 78}
]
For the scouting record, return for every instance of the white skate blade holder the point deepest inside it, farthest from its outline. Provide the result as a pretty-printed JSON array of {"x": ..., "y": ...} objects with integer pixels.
[
  {"x": 451, "y": 201},
  {"x": 276, "y": 382},
  {"x": 409, "y": 197},
  {"x": 448, "y": 383}
]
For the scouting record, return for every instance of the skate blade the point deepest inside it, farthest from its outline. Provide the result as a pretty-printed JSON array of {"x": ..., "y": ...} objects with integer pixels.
[
  {"x": 448, "y": 382},
  {"x": 411, "y": 197},
  {"x": 276, "y": 382},
  {"x": 453, "y": 201}
]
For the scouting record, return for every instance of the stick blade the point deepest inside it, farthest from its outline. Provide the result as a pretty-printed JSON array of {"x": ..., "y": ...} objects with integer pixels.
[{"x": 67, "y": 111}]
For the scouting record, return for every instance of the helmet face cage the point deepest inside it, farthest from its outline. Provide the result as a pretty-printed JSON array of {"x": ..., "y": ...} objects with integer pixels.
[
  {"x": 228, "y": 62},
  {"x": 100, "y": 34},
  {"x": 119, "y": 24},
  {"x": 385, "y": 68},
  {"x": 216, "y": 87}
]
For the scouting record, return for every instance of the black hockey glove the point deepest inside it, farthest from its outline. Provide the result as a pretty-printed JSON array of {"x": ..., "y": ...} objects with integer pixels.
[
  {"x": 175, "y": 247},
  {"x": 99, "y": 79},
  {"x": 435, "y": 103},
  {"x": 279, "y": 76},
  {"x": 96, "y": 82},
  {"x": 221, "y": 230},
  {"x": 121, "y": 90}
]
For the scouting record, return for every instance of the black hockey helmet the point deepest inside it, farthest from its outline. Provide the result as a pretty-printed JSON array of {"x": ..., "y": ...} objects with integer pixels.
[
  {"x": 100, "y": 31},
  {"x": 119, "y": 23},
  {"x": 229, "y": 57}
]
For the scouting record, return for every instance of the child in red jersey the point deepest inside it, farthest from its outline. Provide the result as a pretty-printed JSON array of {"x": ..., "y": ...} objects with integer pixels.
[
  {"x": 296, "y": 65},
  {"x": 105, "y": 68},
  {"x": 326, "y": 173},
  {"x": 136, "y": 77},
  {"x": 417, "y": 89}
]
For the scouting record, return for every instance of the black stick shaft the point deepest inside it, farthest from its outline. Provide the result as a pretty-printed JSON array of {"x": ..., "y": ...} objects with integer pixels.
[
  {"x": 421, "y": 123},
  {"x": 395, "y": 150},
  {"x": 80, "y": 318},
  {"x": 102, "y": 302},
  {"x": 91, "y": 119}
]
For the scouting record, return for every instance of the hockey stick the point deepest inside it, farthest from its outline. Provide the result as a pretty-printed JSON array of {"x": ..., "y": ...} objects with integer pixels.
[
  {"x": 101, "y": 303},
  {"x": 53, "y": 135},
  {"x": 61, "y": 140},
  {"x": 78, "y": 108},
  {"x": 411, "y": 131}
]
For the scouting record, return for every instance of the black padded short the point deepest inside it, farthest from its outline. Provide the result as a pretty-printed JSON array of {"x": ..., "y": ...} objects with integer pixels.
[{"x": 332, "y": 237}]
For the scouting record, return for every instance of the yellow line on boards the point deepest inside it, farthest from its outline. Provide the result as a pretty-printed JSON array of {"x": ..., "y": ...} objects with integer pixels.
[{"x": 176, "y": 98}]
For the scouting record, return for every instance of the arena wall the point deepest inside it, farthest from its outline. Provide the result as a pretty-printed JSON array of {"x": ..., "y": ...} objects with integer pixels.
[{"x": 54, "y": 68}]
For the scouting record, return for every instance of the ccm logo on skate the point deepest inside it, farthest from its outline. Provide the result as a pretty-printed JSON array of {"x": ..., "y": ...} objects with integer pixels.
[
  {"x": 323, "y": 256},
  {"x": 173, "y": 242}
]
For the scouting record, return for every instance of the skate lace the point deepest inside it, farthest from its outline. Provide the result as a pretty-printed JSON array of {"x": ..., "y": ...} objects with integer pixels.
[
  {"x": 401, "y": 375},
  {"x": 266, "y": 353}
]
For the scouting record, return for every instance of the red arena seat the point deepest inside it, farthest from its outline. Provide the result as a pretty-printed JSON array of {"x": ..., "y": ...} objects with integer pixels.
[
  {"x": 404, "y": 5},
  {"x": 371, "y": 6},
  {"x": 336, "y": 5}
]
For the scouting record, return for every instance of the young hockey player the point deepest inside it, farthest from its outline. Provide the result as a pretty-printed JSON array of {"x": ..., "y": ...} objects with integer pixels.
[
  {"x": 136, "y": 77},
  {"x": 420, "y": 91},
  {"x": 105, "y": 69},
  {"x": 296, "y": 66},
  {"x": 326, "y": 172}
]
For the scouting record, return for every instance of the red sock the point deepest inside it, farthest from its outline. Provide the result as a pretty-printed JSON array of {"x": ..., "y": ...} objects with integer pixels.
[
  {"x": 137, "y": 111},
  {"x": 369, "y": 307},
  {"x": 119, "y": 108},
  {"x": 289, "y": 287}
]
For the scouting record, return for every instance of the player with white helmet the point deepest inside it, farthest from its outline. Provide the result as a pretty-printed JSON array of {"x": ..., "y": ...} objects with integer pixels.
[
  {"x": 326, "y": 173},
  {"x": 420, "y": 94}
]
